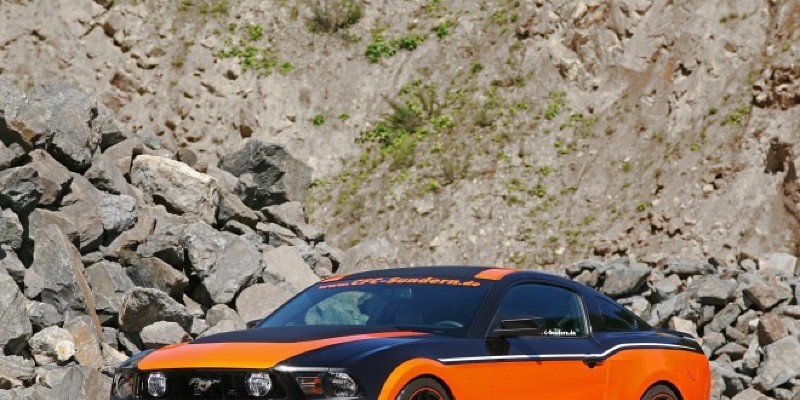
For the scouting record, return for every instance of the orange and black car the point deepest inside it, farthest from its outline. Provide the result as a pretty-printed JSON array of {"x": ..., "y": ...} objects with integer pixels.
[{"x": 431, "y": 333}]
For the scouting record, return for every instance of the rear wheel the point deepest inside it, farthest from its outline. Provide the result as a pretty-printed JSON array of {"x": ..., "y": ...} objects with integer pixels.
[
  {"x": 423, "y": 389},
  {"x": 660, "y": 392}
]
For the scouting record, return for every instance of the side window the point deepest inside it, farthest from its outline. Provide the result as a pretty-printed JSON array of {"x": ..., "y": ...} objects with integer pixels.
[
  {"x": 340, "y": 309},
  {"x": 559, "y": 310},
  {"x": 615, "y": 317}
]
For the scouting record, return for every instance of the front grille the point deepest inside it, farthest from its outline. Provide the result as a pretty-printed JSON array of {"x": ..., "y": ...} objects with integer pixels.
[{"x": 202, "y": 385}]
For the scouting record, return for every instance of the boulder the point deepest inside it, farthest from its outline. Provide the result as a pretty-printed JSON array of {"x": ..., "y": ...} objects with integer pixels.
[
  {"x": 53, "y": 177},
  {"x": 285, "y": 265},
  {"x": 274, "y": 176},
  {"x": 780, "y": 363},
  {"x": 87, "y": 342},
  {"x": 105, "y": 175},
  {"x": 154, "y": 273},
  {"x": 223, "y": 261},
  {"x": 117, "y": 213},
  {"x": 766, "y": 295},
  {"x": 221, "y": 327},
  {"x": 166, "y": 239},
  {"x": 43, "y": 315},
  {"x": 20, "y": 189},
  {"x": 221, "y": 312},
  {"x": 10, "y": 229},
  {"x": 624, "y": 280},
  {"x": 84, "y": 383},
  {"x": 715, "y": 291},
  {"x": 15, "y": 371},
  {"x": 52, "y": 345},
  {"x": 11, "y": 263},
  {"x": 82, "y": 206},
  {"x": 58, "y": 263},
  {"x": 109, "y": 284},
  {"x": 368, "y": 255},
  {"x": 122, "y": 153},
  {"x": 781, "y": 263},
  {"x": 292, "y": 216},
  {"x": 15, "y": 328},
  {"x": 163, "y": 333},
  {"x": 177, "y": 186},
  {"x": 750, "y": 394},
  {"x": 11, "y": 154},
  {"x": 41, "y": 219},
  {"x": 10, "y": 100},
  {"x": 724, "y": 318},
  {"x": 107, "y": 128},
  {"x": 231, "y": 208},
  {"x": 685, "y": 267},
  {"x": 144, "y": 306},
  {"x": 770, "y": 329},
  {"x": 57, "y": 117},
  {"x": 259, "y": 300}
]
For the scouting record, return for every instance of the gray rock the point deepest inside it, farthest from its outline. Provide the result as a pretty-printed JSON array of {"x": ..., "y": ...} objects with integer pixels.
[
  {"x": 105, "y": 175},
  {"x": 109, "y": 284},
  {"x": 154, "y": 273},
  {"x": 15, "y": 371},
  {"x": 87, "y": 342},
  {"x": 107, "y": 128},
  {"x": 292, "y": 216},
  {"x": 770, "y": 329},
  {"x": 622, "y": 279},
  {"x": 81, "y": 206},
  {"x": 58, "y": 117},
  {"x": 221, "y": 327},
  {"x": 20, "y": 189},
  {"x": 712, "y": 341},
  {"x": 734, "y": 350},
  {"x": 41, "y": 220},
  {"x": 750, "y": 394},
  {"x": 223, "y": 261},
  {"x": 368, "y": 255},
  {"x": 276, "y": 176},
  {"x": 122, "y": 153},
  {"x": 54, "y": 177},
  {"x": 43, "y": 315},
  {"x": 715, "y": 291},
  {"x": 111, "y": 356},
  {"x": 166, "y": 239},
  {"x": 780, "y": 363},
  {"x": 259, "y": 300},
  {"x": 225, "y": 179},
  {"x": 724, "y": 318},
  {"x": 285, "y": 265},
  {"x": 276, "y": 235},
  {"x": 667, "y": 287},
  {"x": 10, "y": 100},
  {"x": 231, "y": 208},
  {"x": 334, "y": 254},
  {"x": 117, "y": 213},
  {"x": 684, "y": 267},
  {"x": 781, "y": 263},
  {"x": 58, "y": 263},
  {"x": 83, "y": 383},
  {"x": 52, "y": 345},
  {"x": 15, "y": 328},
  {"x": 766, "y": 295},
  {"x": 683, "y": 325},
  {"x": 144, "y": 306},
  {"x": 177, "y": 186},
  {"x": 221, "y": 312},
  {"x": 11, "y": 263},
  {"x": 163, "y": 333},
  {"x": 10, "y": 229},
  {"x": 11, "y": 154},
  {"x": 130, "y": 342}
]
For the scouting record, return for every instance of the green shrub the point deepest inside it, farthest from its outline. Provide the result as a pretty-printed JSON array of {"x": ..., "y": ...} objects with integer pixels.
[
  {"x": 318, "y": 120},
  {"x": 333, "y": 15}
]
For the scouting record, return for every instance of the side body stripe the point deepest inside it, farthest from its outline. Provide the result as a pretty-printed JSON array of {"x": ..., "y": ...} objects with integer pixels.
[{"x": 599, "y": 356}]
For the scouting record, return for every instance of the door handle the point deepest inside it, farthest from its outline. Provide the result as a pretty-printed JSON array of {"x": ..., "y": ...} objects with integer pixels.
[{"x": 592, "y": 361}]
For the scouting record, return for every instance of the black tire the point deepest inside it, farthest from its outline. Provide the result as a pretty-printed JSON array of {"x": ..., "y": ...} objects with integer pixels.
[
  {"x": 660, "y": 392},
  {"x": 424, "y": 389}
]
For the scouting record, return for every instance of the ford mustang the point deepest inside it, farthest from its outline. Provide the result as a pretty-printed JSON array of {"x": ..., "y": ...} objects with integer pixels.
[{"x": 431, "y": 333}]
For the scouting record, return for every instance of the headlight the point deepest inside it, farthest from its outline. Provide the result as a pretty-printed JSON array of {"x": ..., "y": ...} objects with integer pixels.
[
  {"x": 123, "y": 386},
  {"x": 341, "y": 384},
  {"x": 157, "y": 384},
  {"x": 258, "y": 384}
]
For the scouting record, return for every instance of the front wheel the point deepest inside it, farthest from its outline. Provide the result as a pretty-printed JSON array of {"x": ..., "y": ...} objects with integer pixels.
[
  {"x": 424, "y": 389},
  {"x": 660, "y": 392}
]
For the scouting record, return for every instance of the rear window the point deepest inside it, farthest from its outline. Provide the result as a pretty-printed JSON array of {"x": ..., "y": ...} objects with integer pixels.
[{"x": 615, "y": 318}]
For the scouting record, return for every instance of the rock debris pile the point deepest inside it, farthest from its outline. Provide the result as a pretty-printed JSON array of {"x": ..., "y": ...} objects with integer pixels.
[{"x": 111, "y": 244}]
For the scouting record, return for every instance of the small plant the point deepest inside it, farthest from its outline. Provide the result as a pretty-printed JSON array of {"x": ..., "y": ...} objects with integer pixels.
[
  {"x": 409, "y": 42},
  {"x": 539, "y": 191},
  {"x": 286, "y": 67},
  {"x": 442, "y": 29},
  {"x": 333, "y": 15},
  {"x": 215, "y": 7},
  {"x": 557, "y": 101},
  {"x": 737, "y": 116},
  {"x": 318, "y": 120},
  {"x": 545, "y": 170},
  {"x": 643, "y": 206},
  {"x": 379, "y": 48},
  {"x": 475, "y": 68},
  {"x": 433, "y": 185},
  {"x": 344, "y": 117},
  {"x": 254, "y": 31},
  {"x": 627, "y": 166}
]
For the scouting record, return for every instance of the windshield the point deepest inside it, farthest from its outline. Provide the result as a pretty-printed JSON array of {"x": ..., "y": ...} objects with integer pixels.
[{"x": 428, "y": 304}]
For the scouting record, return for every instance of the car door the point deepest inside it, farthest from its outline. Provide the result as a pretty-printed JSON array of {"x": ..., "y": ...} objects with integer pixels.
[{"x": 555, "y": 363}]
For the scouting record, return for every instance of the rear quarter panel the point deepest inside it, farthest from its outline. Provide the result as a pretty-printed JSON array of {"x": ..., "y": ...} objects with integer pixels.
[{"x": 632, "y": 372}]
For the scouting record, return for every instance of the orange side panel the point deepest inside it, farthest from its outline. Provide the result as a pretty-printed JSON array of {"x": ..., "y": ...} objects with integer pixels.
[
  {"x": 466, "y": 381},
  {"x": 631, "y": 372},
  {"x": 242, "y": 355},
  {"x": 552, "y": 380},
  {"x": 494, "y": 274}
]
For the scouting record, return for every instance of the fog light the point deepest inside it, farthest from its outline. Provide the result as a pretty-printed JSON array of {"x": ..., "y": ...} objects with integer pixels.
[
  {"x": 157, "y": 384},
  {"x": 342, "y": 384},
  {"x": 123, "y": 386},
  {"x": 258, "y": 384}
]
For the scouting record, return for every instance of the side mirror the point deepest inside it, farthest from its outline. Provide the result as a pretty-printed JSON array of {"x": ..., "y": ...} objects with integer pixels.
[
  {"x": 519, "y": 327},
  {"x": 254, "y": 323}
]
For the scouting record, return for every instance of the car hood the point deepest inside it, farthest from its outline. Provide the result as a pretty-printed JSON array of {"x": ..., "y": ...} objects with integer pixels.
[{"x": 264, "y": 348}]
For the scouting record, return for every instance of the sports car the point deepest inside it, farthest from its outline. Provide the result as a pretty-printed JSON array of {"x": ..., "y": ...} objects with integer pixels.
[{"x": 431, "y": 333}]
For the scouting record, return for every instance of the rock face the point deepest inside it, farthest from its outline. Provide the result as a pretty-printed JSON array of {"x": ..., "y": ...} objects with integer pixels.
[
  {"x": 273, "y": 176},
  {"x": 177, "y": 186},
  {"x": 15, "y": 327},
  {"x": 58, "y": 264}
]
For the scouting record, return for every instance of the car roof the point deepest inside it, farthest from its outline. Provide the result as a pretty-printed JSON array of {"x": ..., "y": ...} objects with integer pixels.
[{"x": 462, "y": 272}]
